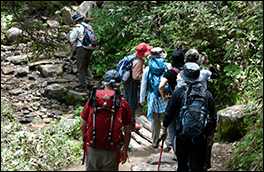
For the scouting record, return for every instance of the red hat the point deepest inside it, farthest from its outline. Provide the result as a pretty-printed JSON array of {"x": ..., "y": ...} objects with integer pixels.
[{"x": 143, "y": 50}]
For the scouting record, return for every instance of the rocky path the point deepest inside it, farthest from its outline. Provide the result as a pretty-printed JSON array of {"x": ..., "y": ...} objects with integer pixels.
[{"x": 41, "y": 91}]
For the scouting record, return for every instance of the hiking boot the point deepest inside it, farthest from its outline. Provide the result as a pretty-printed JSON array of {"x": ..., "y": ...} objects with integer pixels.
[
  {"x": 135, "y": 128},
  {"x": 155, "y": 145},
  {"x": 168, "y": 142}
]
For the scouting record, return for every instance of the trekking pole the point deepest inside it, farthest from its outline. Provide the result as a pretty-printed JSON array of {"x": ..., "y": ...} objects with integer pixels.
[{"x": 162, "y": 143}]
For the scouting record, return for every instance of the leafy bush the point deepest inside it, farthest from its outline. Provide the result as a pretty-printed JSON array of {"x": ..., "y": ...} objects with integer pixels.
[
  {"x": 51, "y": 148},
  {"x": 248, "y": 153}
]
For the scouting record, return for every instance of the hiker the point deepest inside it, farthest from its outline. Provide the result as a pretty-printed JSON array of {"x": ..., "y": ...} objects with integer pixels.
[
  {"x": 170, "y": 77},
  {"x": 150, "y": 82},
  {"x": 102, "y": 118},
  {"x": 193, "y": 56},
  {"x": 195, "y": 149},
  {"x": 131, "y": 87},
  {"x": 84, "y": 53}
]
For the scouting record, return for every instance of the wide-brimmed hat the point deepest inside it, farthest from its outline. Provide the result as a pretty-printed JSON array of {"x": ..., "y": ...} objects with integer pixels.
[
  {"x": 143, "y": 50},
  {"x": 193, "y": 56},
  {"x": 112, "y": 77},
  {"x": 157, "y": 51},
  {"x": 77, "y": 17},
  {"x": 191, "y": 72},
  {"x": 177, "y": 58}
]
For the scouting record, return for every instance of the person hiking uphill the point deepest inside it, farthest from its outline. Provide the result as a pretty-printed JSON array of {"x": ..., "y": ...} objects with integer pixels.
[
  {"x": 194, "y": 148},
  {"x": 103, "y": 116},
  {"x": 84, "y": 52},
  {"x": 170, "y": 77},
  {"x": 131, "y": 87},
  {"x": 150, "y": 82},
  {"x": 193, "y": 56}
]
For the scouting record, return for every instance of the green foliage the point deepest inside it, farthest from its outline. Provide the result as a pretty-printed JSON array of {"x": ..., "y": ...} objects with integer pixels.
[
  {"x": 248, "y": 153},
  {"x": 6, "y": 109},
  {"x": 229, "y": 32},
  {"x": 78, "y": 111},
  {"x": 50, "y": 148},
  {"x": 6, "y": 21}
]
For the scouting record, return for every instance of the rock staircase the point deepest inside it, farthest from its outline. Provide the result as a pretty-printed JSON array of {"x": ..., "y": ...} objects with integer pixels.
[{"x": 141, "y": 143}]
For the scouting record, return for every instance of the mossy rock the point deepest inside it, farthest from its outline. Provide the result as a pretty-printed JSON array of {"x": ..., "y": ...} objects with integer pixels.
[{"x": 231, "y": 124}]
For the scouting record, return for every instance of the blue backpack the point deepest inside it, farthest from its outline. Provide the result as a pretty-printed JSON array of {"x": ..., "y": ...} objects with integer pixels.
[
  {"x": 89, "y": 38},
  {"x": 193, "y": 119},
  {"x": 124, "y": 67},
  {"x": 157, "y": 67}
]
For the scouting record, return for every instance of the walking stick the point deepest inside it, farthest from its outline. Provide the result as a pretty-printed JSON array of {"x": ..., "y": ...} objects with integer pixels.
[{"x": 160, "y": 149}]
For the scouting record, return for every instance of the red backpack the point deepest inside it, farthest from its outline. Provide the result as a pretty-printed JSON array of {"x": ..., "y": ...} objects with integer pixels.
[{"x": 104, "y": 120}]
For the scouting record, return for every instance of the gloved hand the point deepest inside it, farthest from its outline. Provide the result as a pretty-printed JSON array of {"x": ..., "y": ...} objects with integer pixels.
[{"x": 164, "y": 134}]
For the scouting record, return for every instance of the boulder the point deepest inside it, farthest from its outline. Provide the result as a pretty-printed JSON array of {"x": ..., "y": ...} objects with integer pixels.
[
  {"x": 24, "y": 118},
  {"x": 86, "y": 8},
  {"x": 66, "y": 16},
  {"x": 72, "y": 97},
  {"x": 16, "y": 91},
  {"x": 22, "y": 71},
  {"x": 53, "y": 23},
  {"x": 230, "y": 122},
  {"x": 50, "y": 70},
  {"x": 7, "y": 70},
  {"x": 54, "y": 91},
  {"x": 18, "y": 59},
  {"x": 12, "y": 34}
]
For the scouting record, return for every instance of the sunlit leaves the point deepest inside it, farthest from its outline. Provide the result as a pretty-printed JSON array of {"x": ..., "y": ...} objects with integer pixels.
[{"x": 229, "y": 49}]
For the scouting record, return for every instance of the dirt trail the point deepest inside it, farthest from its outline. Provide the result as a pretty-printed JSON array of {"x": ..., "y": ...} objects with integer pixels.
[
  {"x": 134, "y": 157},
  {"x": 221, "y": 152}
]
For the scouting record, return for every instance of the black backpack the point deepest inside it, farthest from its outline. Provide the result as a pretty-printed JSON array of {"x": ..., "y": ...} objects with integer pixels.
[{"x": 193, "y": 119}]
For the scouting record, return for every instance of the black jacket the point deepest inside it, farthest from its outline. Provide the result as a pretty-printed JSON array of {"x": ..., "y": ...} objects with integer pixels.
[{"x": 175, "y": 104}]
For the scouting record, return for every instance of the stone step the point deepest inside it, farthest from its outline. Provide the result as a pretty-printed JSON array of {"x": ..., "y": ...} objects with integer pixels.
[
  {"x": 146, "y": 134},
  {"x": 144, "y": 122},
  {"x": 134, "y": 145},
  {"x": 140, "y": 140}
]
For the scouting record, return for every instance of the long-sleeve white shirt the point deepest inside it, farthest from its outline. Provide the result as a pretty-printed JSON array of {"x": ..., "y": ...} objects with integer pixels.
[{"x": 77, "y": 35}]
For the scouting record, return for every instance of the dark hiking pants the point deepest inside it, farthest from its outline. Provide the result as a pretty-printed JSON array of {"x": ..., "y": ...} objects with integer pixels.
[
  {"x": 131, "y": 96},
  {"x": 195, "y": 151},
  {"x": 83, "y": 59}
]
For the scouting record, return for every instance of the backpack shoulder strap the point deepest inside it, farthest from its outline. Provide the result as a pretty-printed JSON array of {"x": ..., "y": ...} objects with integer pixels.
[
  {"x": 175, "y": 70},
  {"x": 94, "y": 113},
  {"x": 82, "y": 25},
  {"x": 137, "y": 58}
]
